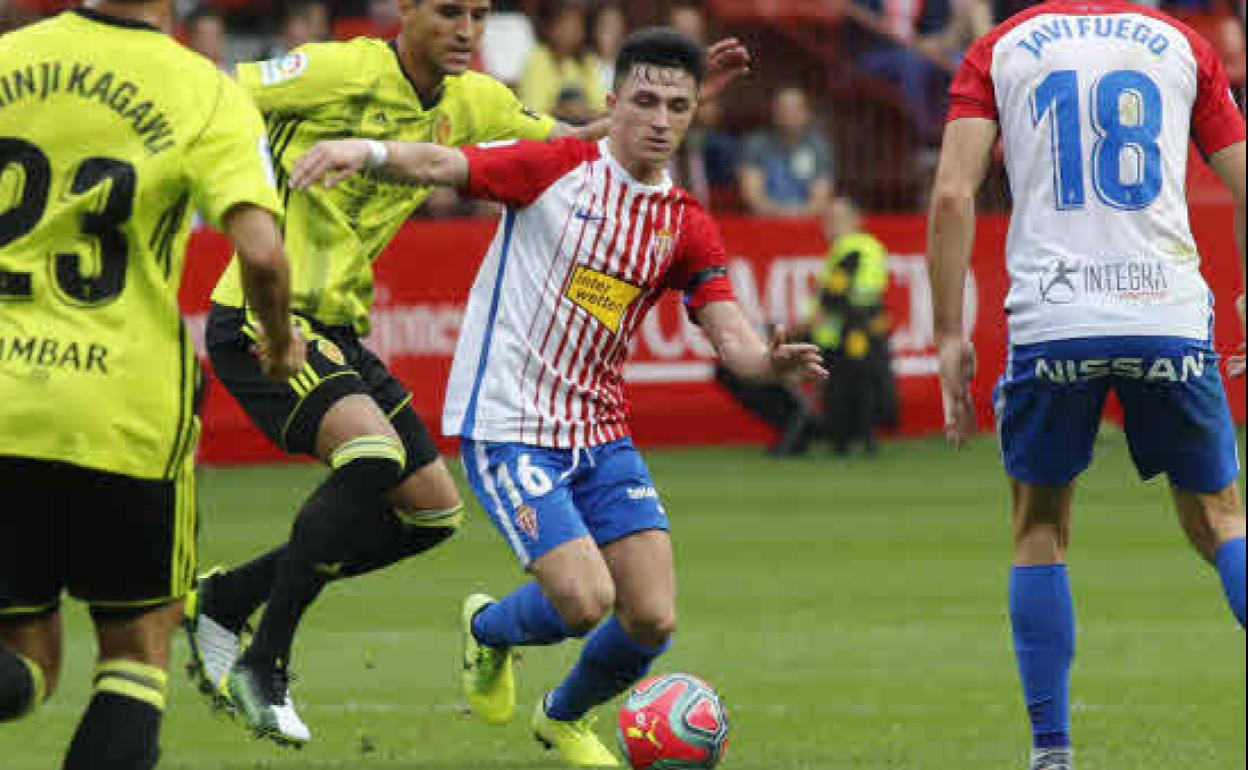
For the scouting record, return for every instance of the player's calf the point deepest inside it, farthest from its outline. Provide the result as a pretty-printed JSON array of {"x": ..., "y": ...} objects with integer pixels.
[
  {"x": 611, "y": 661},
  {"x": 1215, "y": 525},
  {"x": 401, "y": 534},
  {"x": 575, "y": 579},
  {"x": 1041, "y": 522},
  {"x": 22, "y": 686}
]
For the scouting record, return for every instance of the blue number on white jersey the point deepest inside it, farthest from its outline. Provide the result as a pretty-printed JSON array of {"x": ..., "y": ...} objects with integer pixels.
[{"x": 1117, "y": 95}]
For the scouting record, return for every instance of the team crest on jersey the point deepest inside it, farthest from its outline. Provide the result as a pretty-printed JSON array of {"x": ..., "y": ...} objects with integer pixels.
[
  {"x": 526, "y": 520},
  {"x": 603, "y": 296},
  {"x": 661, "y": 244},
  {"x": 442, "y": 129},
  {"x": 290, "y": 66},
  {"x": 331, "y": 351}
]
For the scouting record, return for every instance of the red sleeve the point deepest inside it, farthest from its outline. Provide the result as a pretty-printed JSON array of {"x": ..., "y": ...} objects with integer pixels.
[
  {"x": 699, "y": 266},
  {"x": 972, "y": 94},
  {"x": 517, "y": 173},
  {"x": 1216, "y": 120}
]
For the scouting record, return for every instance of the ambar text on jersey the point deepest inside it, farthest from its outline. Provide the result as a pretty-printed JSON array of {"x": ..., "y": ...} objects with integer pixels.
[{"x": 53, "y": 353}]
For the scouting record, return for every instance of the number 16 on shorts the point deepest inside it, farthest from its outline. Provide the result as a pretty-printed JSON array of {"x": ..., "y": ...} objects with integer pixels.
[{"x": 526, "y": 492}]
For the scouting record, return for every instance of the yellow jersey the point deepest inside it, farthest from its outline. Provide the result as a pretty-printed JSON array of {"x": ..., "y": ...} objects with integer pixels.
[
  {"x": 111, "y": 134},
  {"x": 359, "y": 88}
]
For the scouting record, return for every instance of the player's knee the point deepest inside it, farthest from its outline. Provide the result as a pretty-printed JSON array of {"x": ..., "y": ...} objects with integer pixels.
[
  {"x": 365, "y": 470},
  {"x": 650, "y": 626},
  {"x": 582, "y": 607},
  {"x": 23, "y": 685},
  {"x": 431, "y": 524},
  {"x": 373, "y": 461},
  {"x": 1225, "y": 514}
]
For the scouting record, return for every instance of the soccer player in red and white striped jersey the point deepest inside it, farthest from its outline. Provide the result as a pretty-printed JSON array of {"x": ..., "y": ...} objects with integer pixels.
[{"x": 594, "y": 233}]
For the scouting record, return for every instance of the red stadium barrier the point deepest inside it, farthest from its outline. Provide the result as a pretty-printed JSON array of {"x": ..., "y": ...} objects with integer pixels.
[{"x": 423, "y": 280}]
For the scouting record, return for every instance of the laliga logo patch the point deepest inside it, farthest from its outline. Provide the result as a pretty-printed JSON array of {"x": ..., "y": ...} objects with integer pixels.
[
  {"x": 276, "y": 71},
  {"x": 526, "y": 519},
  {"x": 331, "y": 351}
]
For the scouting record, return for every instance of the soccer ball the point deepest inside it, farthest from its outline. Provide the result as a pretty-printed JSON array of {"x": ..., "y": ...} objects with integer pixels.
[{"x": 673, "y": 722}]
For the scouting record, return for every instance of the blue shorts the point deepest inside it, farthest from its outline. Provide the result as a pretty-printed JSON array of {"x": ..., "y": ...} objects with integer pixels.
[
  {"x": 1050, "y": 398},
  {"x": 541, "y": 498}
]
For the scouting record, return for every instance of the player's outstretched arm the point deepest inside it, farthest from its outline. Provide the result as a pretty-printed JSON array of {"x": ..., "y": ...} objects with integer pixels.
[
  {"x": 425, "y": 164},
  {"x": 964, "y": 157},
  {"x": 1229, "y": 165},
  {"x": 726, "y": 61},
  {"x": 266, "y": 284},
  {"x": 746, "y": 355}
]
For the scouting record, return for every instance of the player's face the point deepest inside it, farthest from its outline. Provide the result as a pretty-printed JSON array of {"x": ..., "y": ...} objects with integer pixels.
[
  {"x": 651, "y": 111},
  {"x": 445, "y": 31}
]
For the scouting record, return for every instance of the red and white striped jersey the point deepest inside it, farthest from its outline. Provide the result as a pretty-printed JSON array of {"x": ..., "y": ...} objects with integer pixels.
[
  {"x": 1096, "y": 102},
  {"x": 581, "y": 254}
]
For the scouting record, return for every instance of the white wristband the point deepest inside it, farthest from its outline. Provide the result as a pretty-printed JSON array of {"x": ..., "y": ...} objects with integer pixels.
[{"x": 377, "y": 153}]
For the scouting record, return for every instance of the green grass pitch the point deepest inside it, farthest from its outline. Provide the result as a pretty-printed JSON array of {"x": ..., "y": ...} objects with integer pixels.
[{"x": 852, "y": 614}]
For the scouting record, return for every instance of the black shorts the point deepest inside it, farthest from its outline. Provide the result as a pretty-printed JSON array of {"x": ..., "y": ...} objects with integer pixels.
[
  {"x": 338, "y": 366},
  {"x": 116, "y": 542}
]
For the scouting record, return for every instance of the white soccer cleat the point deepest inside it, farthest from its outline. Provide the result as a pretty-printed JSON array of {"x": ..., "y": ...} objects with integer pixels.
[
  {"x": 289, "y": 723},
  {"x": 214, "y": 648},
  {"x": 1052, "y": 759},
  {"x": 261, "y": 702}
]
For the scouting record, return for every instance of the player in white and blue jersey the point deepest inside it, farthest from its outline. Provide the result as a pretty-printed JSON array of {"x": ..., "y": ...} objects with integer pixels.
[{"x": 1095, "y": 103}]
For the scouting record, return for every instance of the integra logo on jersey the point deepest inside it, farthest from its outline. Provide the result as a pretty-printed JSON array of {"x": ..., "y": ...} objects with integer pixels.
[
  {"x": 1063, "y": 282},
  {"x": 603, "y": 296},
  {"x": 51, "y": 353},
  {"x": 1164, "y": 369}
]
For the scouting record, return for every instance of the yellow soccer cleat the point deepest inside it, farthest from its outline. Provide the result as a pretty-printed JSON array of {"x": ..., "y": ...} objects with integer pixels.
[
  {"x": 489, "y": 681},
  {"x": 575, "y": 741}
]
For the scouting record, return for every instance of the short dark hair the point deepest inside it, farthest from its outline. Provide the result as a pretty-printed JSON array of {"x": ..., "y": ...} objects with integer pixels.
[{"x": 660, "y": 47}]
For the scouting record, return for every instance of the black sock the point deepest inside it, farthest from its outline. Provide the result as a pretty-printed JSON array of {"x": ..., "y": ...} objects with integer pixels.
[
  {"x": 121, "y": 729},
  {"x": 21, "y": 685},
  {"x": 325, "y": 534},
  {"x": 239, "y": 592},
  {"x": 392, "y": 540}
]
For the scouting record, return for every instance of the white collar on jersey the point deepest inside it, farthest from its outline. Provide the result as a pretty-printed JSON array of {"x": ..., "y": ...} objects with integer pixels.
[{"x": 604, "y": 146}]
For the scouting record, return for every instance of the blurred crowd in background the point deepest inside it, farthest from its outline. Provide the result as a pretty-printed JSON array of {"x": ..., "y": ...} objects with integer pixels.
[
  {"x": 847, "y": 96},
  {"x": 841, "y": 114}
]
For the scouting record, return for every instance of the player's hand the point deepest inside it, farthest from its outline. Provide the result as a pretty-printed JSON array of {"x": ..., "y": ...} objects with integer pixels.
[
  {"x": 726, "y": 61},
  {"x": 799, "y": 362},
  {"x": 1235, "y": 365},
  {"x": 957, "y": 369},
  {"x": 281, "y": 359},
  {"x": 332, "y": 161}
]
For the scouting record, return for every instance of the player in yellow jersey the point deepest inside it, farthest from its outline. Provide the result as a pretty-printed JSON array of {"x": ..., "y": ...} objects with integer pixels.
[
  {"x": 416, "y": 88},
  {"x": 103, "y": 155}
]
